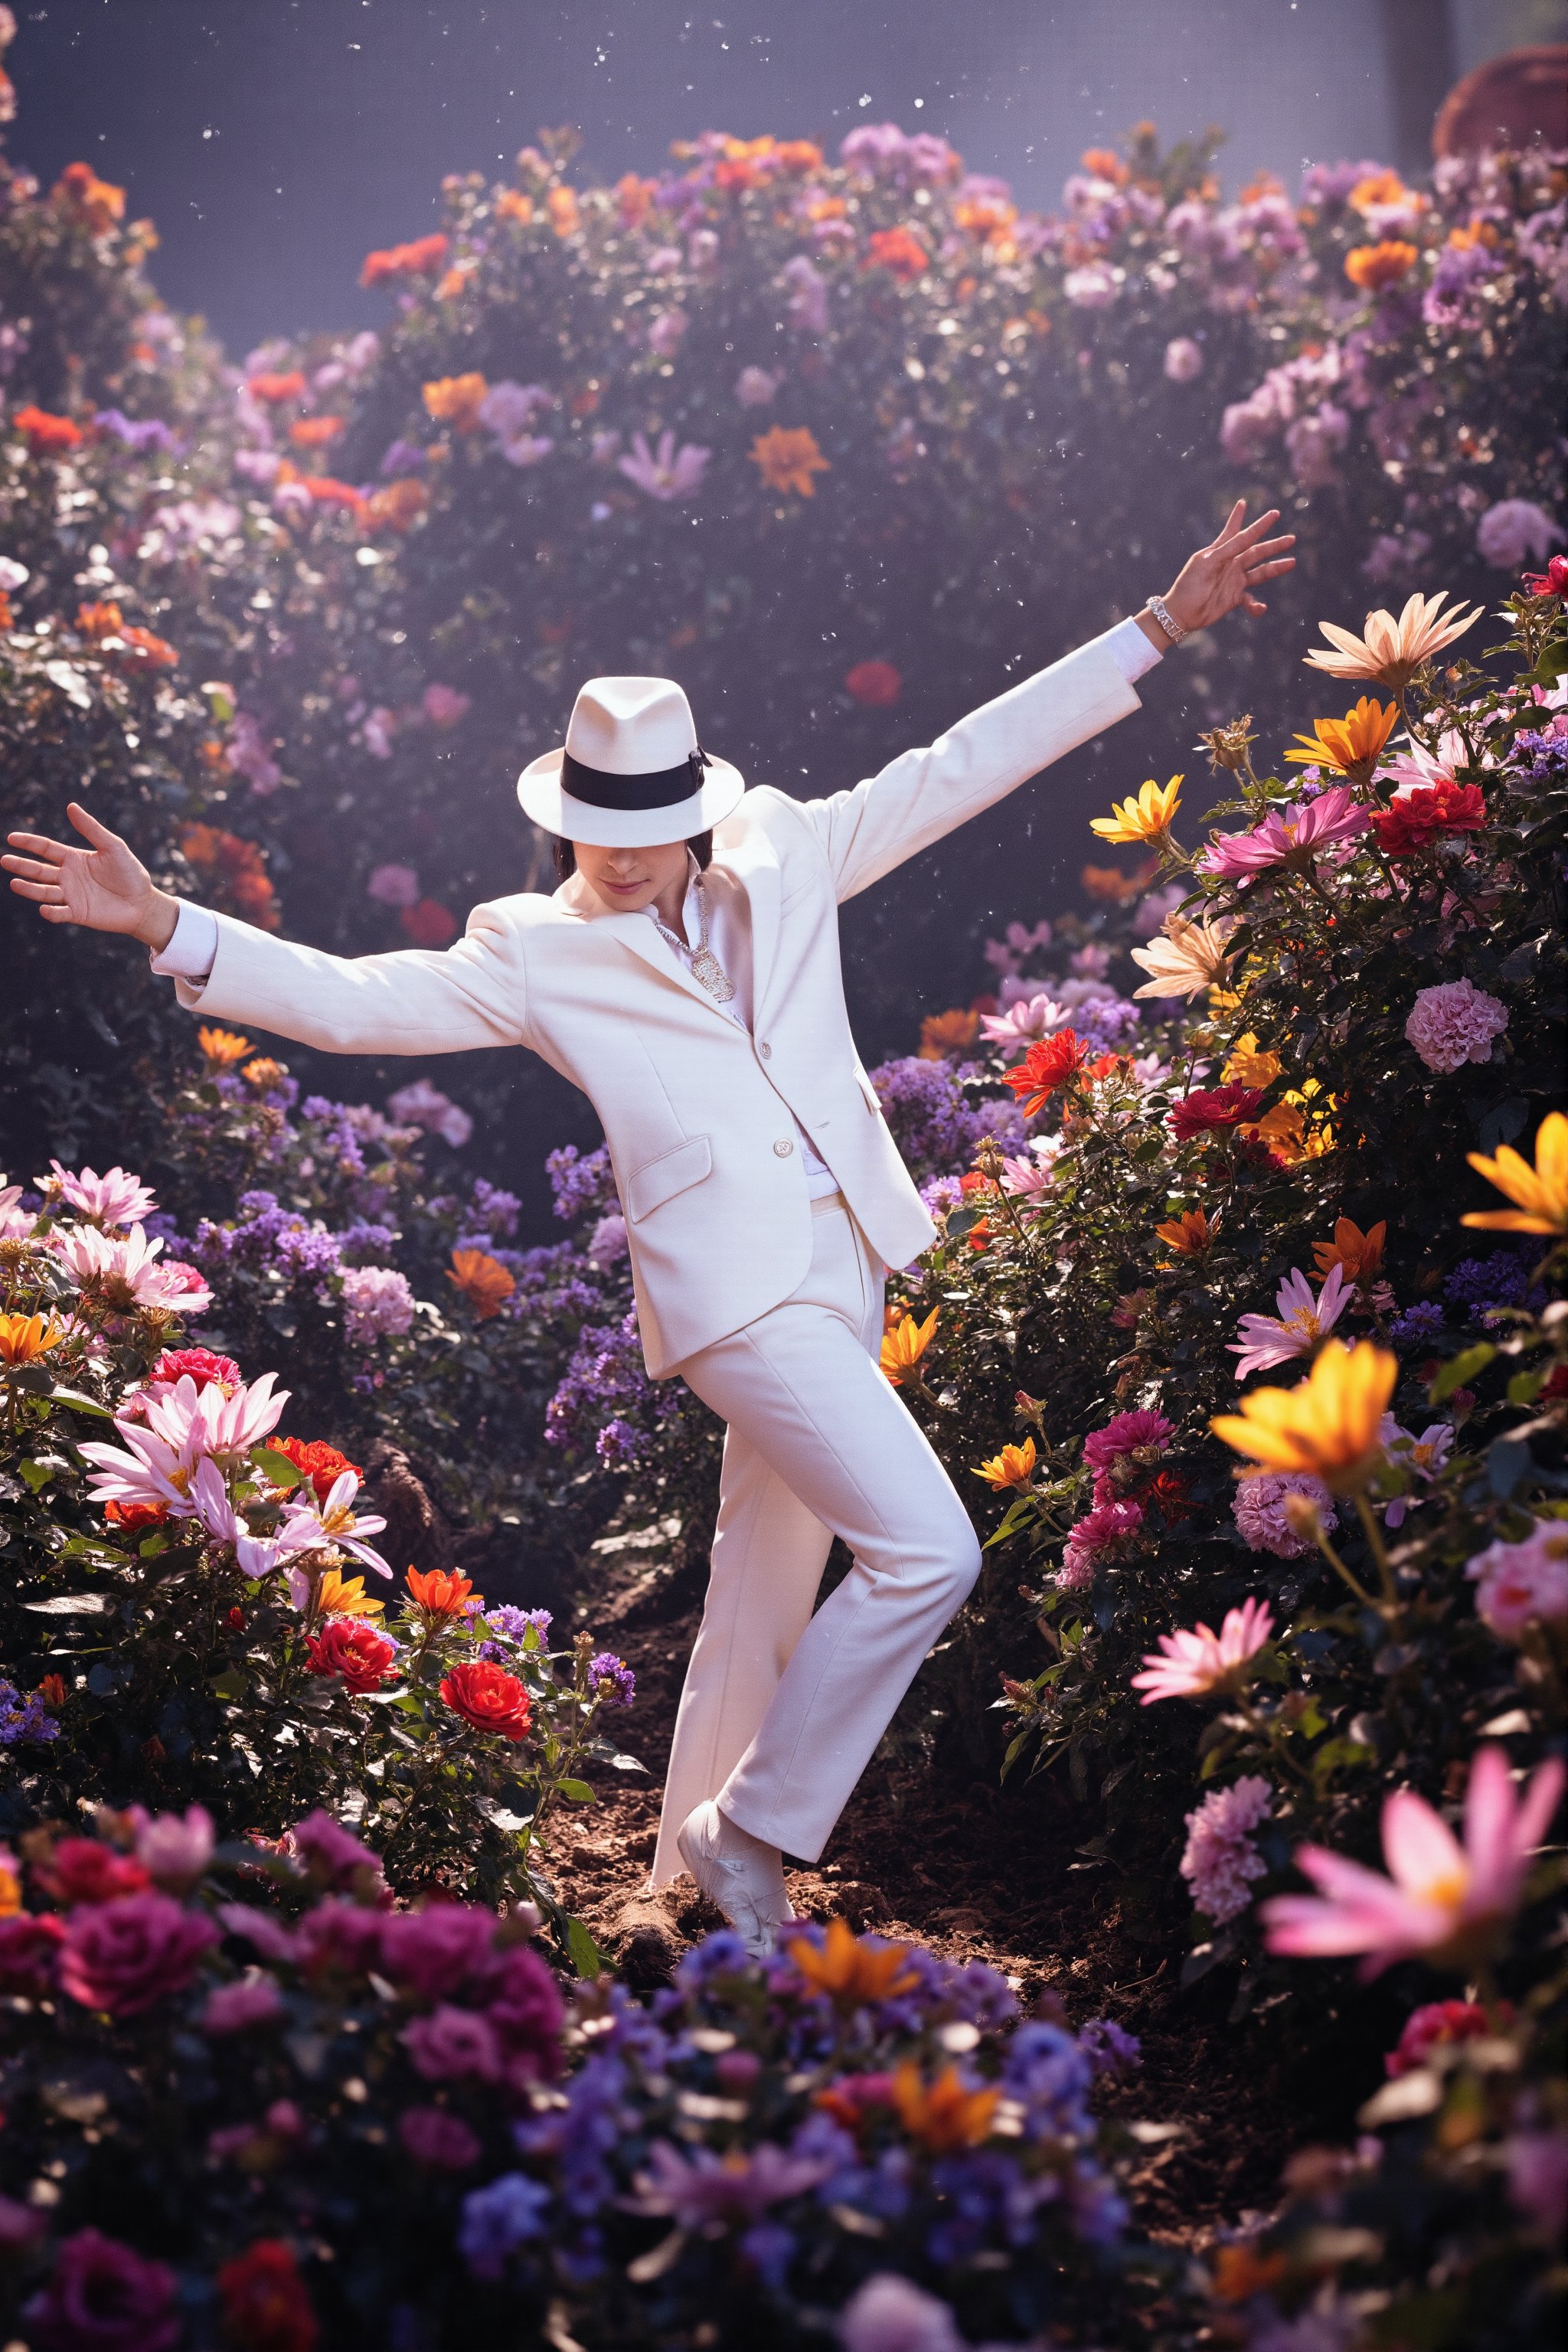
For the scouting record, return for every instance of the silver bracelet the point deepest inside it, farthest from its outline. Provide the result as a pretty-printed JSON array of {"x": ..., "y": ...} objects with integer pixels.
[{"x": 1172, "y": 629}]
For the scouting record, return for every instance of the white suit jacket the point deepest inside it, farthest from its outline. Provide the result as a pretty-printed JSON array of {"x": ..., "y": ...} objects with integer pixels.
[{"x": 696, "y": 1112}]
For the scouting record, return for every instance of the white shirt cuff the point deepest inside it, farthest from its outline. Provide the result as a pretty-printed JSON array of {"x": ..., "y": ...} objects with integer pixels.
[
  {"x": 190, "y": 949},
  {"x": 1130, "y": 650}
]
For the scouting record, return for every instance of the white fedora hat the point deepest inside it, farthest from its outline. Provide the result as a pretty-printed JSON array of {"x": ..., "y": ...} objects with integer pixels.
[{"x": 631, "y": 773}]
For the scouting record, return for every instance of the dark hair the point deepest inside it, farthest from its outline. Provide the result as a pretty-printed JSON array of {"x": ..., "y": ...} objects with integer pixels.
[{"x": 700, "y": 845}]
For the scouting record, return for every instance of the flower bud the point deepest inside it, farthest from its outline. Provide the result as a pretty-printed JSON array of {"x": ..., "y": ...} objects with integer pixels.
[{"x": 1303, "y": 1516}]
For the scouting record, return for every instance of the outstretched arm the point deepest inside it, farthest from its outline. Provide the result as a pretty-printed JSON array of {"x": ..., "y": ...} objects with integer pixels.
[
  {"x": 418, "y": 1001},
  {"x": 923, "y": 794}
]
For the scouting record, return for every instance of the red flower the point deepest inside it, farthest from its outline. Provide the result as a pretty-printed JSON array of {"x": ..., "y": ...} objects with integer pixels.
[
  {"x": 124, "y": 1956},
  {"x": 485, "y": 1696},
  {"x": 1419, "y": 816},
  {"x": 429, "y": 924},
  {"x": 265, "y": 2306},
  {"x": 1553, "y": 581},
  {"x": 900, "y": 251},
  {"x": 27, "y": 1949},
  {"x": 360, "y": 1657},
  {"x": 46, "y": 433},
  {"x": 276, "y": 388},
  {"x": 877, "y": 684},
  {"x": 440, "y": 1592},
  {"x": 321, "y": 1464},
  {"x": 80, "y": 1870},
  {"x": 135, "y": 1516},
  {"x": 425, "y": 253},
  {"x": 1212, "y": 1108},
  {"x": 198, "y": 1364},
  {"x": 1050, "y": 1064}
]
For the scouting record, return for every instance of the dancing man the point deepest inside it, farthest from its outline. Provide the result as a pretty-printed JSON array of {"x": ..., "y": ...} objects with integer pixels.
[{"x": 686, "y": 976}]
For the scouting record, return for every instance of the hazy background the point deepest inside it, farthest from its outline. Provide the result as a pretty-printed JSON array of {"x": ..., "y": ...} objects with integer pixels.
[{"x": 275, "y": 142}]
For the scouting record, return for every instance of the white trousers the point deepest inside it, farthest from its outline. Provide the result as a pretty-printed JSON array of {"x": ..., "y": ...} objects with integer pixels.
[{"x": 782, "y": 1709}]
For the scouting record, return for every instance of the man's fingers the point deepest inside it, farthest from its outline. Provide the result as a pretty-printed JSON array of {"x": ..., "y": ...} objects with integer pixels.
[
  {"x": 48, "y": 894},
  {"x": 1256, "y": 572},
  {"x": 87, "y": 825},
  {"x": 36, "y": 870},
  {"x": 39, "y": 844},
  {"x": 1246, "y": 538}
]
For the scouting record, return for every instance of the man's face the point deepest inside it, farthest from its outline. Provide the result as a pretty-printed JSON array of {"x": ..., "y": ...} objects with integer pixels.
[{"x": 624, "y": 881}]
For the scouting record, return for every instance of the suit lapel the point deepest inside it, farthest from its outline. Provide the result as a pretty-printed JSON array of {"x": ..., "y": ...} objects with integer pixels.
[
  {"x": 637, "y": 933},
  {"x": 755, "y": 866}
]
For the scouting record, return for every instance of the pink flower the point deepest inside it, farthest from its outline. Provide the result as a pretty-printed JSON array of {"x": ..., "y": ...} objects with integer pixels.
[
  {"x": 308, "y": 1527},
  {"x": 1107, "y": 1532},
  {"x": 432, "y": 2136},
  {"x": 421, "y": 1104},
  {"x": 452, "y": 2044},
  {"x": 123, "y": 1272},
  {"x": 1220, "y": 1860},
  {"x": 1258, "y": 1510},
  {"x": 1091, "y": 963},
  {"x": 1453, "y": 1023},
  {"x": 1197, "y": 1662},
  {"x": 435, "y": 1950},
  {"x": 1514, "y": 529},
  {"x": 1538, "y": 2177},
  {"x": 1421, "y": 1458},
  {"x": 209, "y": 1503},
  {"x": 393, "y": 886},
  {"x": 1031, "y": 1179},
  {"x": 103, "y": 2295},
  {"x": 378, "y": 1303},
  {"x": 173, "y": 1852},
  {"x": 332, "y": 1854},
  {"x": 704, "y": 2188},
  {"x": 113, "y": 1199},
  {"x": 29, "y": 1946},
  {"x": 443, "y": 705},
  {"x": 755, "y": 386},
  {"x": 235, "y": 2008},
  {"x": 1302, "y": 1320},
  {"x": 665, "y": 330},
  {"x": 1440, "y": 1899},
  {"x": 666, "y": 476},
  {"x": 808, "y": 295},
  {"x": 524, "y": 2006},
  {"x": 892, "y": 2313},
  {"x": 1436, "y": 2025},
  {"x": 1130, "y": 1433},
  {"x": 1288, "y": 836},
  {"x": 339, "y": 1938},
  {"x": 1038, "y": 1016},
  {"x": 1518, "y": 1584},
  {"x": 1184, "y": 359},
  {"x": 124, "y": 1956}
]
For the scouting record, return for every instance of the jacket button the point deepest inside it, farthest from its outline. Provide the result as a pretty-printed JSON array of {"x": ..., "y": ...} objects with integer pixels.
[
  {"x": 766, "y": 1052},
  {"x": 783, "y": 1147}
]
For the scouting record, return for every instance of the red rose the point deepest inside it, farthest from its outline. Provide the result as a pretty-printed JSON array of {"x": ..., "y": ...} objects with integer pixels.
[
  {"x": 28, "y": 1946},
  {"x": 1553, "y": 581},
  {"x": 1049, "y": 1065},
  {"x": 877, "y": 684},
  {"x": 360, "y": 1657},
  {"x": 429, "y": 924},
  {"x": 1418, "y": 817},
  {"x": 80, "y": 1870},
  {"x": 1212, "y": 1108},
  {"x": 489, "y": 1698},
  {"x": 265, "y": 2306},
  {"x": 124, "y": 1956}
]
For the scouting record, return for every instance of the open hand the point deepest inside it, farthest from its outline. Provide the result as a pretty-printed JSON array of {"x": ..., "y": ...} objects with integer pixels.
[
  {"x": 1224, "y": 574},
  {"x": 104, "y": 888}
]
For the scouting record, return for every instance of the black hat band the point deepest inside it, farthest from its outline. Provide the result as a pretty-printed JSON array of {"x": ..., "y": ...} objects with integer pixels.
[{"x": 661, "y": 789}]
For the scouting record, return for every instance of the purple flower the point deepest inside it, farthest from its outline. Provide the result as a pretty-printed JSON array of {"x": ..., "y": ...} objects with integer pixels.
[
  {"x": 104, "y": 2297},
  {"x": 236, "y": 2008},
  {"x": 393, "y": 886},
  {"x": 1109, "y": 2048},
  {"x": 421, "y": 1104},
  {"x": 611, "y": 1679},
  {"x": 249, "y": 753},
  {"x": 1220, "y": 1860},
  {"x": 582, "y": 1184},
  {"x": 1259, "y": 1511},
  {"x": 513, "y": 1623},
  {"x": 498, "y": 2219},
  {"x": 1512, "y": 531},
  {"x": 702, "y": 2188},
  {"x": 453, "y": 2044},
  {"x": 808, "y": 295},
  {"x": 435, "y": 1950},
  {"x": 402, "y": 456},
  {"x": 1418, "y": 1325},
  {"x": 436, "y": 2138},
  {"x": 1453, "y": 1023},
  {"x": 379, "y": 1304},
  {"x": 24, "y": 1718},
  {"x": 144, "y": 432},
  {"x": 669, "y": 475},
  {"x": 497, "y": 1209}
]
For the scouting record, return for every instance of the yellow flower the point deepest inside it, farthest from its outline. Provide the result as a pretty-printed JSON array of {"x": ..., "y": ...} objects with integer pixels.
[
  {"x": 1148, "y": 818},
  {"x": 1188, "y": 958},
  {"x": 24, "y": 1338},
  {"x": 788, "y": 457},
  {"x": 944, "y": 2115},
  {"x": 1392, "y": 651},
  {"x": 341, "y": 1596},
  {"x": 1248, "y": 1066},
  {"x": 1328, "y": 1425},
  {"x": 1351, "y": 745},
  {"x": 1542, "y": 1191},
  {"x": 848, "y": 1971},
  {"x": 904, "y": 1342},
  {"x": 222, "y": 1046},
  {"x": 1189, "y": 1235},
  {"x": 1014, "y": 1467}
]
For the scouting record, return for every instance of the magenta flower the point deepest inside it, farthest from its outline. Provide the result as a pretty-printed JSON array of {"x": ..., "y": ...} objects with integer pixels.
[
  {"x": 113, "y": 1199},
  {"x": 332, "y": 1854},
  {"x": 436, "y": 2138},
  {"x": 1443, "y": 1900},
  {"x": 434, "y": 1950},
  {"x": 452, "y": 2043},
  {"x": 1519, "y": 1584},
  {"x": 1302, "y": 1321},
  {"x": 1195, "y": 1664},
  {"x": 393, "y": 886},
  {"x": 1130, "y": 1433},
  {"x": 124, "y": 1956},
  {"x": 1453, "y": 1023},
  {"x": 105, "y": 2294},
  {"x": 443, "y": 705},
  {"x": 1259, "y": 1510},
  {"x": 666, "y": 475},
  {"x": 1286, "y": 837},
  {"x": 235, "y": 2008}
]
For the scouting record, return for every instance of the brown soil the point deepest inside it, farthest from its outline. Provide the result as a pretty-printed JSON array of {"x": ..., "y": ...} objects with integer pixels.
[{"x": 975, "y": 1872}]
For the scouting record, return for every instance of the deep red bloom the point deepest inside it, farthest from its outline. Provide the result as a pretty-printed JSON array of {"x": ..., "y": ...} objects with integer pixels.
[
  {"x": 198, "y": 1364},
  {"x": 1050, "y": 1064},
  {"x": 1553, "y": 581},
  {"x": 429, "y": 924},
  {"x": 321, "y": 1464},
  {"x": 135, "y": 1516},
  {"x": 28, "y": 1946},
  {"x": 1415, "y": 820},
  {"x": 265, "y": 2306},
  {"x": 46, "y": 432},
  {"x": 80, "y": 1870},
  {"x": 1212, "y": 1108},
  {"x": 877, "y": 684},
  {"x": 360, "y": 1657},
  {"x": 489, "y": 1698},
  {"x": 1435, "y": 2023}
]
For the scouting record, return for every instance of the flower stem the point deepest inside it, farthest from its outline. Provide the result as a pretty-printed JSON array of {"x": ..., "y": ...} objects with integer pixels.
[
  {"x": 1337, "y": 1564},
  {"x": 1375, "y": 1545}
]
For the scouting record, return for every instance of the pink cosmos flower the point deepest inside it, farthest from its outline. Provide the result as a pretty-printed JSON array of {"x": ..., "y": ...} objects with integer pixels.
[
  {"x": 1518, "y": 1584},
  {"x": 1130, "y": 1433},
  {"x": 1453, "y": 1023},
  {"x": 15, "y": 1223},
  {"x": 115, "y": 1199},
  {"x": 1037, "y": 1016},
  {"x": 1421, "y": 1457},
  {"x": 1197, "y": 1662},
  {"x": 223, "y": 1425},
  {"x": 1029, "y": 1179},
  {"x": 1288, "y": 836},
  {"x": 1440, "y": 1899},
  {"x": 310, "y": 1526},
  {"x": 666, "y": 475},
  {"x": 120, "y": 1271},
  {"x": 1220, "y": 1861},
  {"x": 703, "y": 2190},
  {"x": 1302, "y": 1320},
  {"x": 124, "y": 1956}
]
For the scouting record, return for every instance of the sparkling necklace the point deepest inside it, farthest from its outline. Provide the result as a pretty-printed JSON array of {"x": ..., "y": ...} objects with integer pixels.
[{"x": 706, "y": 968}]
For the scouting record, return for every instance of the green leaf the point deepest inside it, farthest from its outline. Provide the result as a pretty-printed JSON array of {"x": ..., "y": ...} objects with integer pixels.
[
  {"x": 584, "y": 1954},
  {"x": 76, "y": 1403},
  {"x": 231, "y": 1684},
  {"x": 1460, "y": 1369},
  {"x": 577, "y": 1792},
  {"x": 277, "y": 1466},
  {"x": 962, "y": 1220},
  {"x": 37, "y": 1474},
  {"x": 1525, "y": 1387}
]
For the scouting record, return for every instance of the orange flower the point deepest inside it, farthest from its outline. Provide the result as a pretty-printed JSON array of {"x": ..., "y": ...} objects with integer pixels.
[
  {"x": 944, "y": 2115},
  {"x": 947, "y": 1033},
  {"x": 849, "y": 1971},
  {"x": 45, "y": 432},
  {"x": 1240, "y": 2272},
  {"x": 264, "y": 1073},
  {"x": 1105, "y": 163},
  {"x": 1189, "y": 1235},
  {"x": 482, "y": 1279},
  {"x": 275, "y": 389},
  {"x": 425, "y": 255},
  {"x": 1014, "y": 1467},
  {"x": 1373, "y": 266},
  {"x": 1360, "y": 1255},
  {"x": 1382, "y": 190},
  {"x": 787, "y": 458},
  {"x": 52, "y": 1691},
  {"x": 98, "y": 621},
  {"x": 24, "y": 1338},
  {"x": 904, "y": 1342},
  {"x": 396, "y": 505},
  {"x": 799, "y": 156},
  {"x": 315, "y": 432},
  {"x": 454, "y": 400},
  {"x": 97, "y": 202},
  {"x": 987, "y": 217},
  {"x": 439, "y": 1593},
  {"x": 1050, "y": 1065},
  {"x": 222, "y": 1047},
  {"x": 633, "y": 199},
  {"x": 157, "y": 653},
  {"x": 561, "y": 203},
  {"x": 899, "y": 252},
  {"x": 1109, "y": 883}
]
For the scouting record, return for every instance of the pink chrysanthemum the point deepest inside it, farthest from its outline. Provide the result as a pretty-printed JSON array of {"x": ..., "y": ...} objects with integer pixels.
[
  {"x": 1130, "y": 1433},
  {"x": 1259, "y": 1515},
  {"x": 1189, "y": 1664},
  {"x": 1220, "y": 1861},
  {"x": 1453, "y": 1023}
]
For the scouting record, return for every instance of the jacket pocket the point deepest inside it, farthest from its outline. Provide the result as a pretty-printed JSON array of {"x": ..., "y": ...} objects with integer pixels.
[
  {"x": 869, "y": 1091},
  {"x": 658, "y": 1181}
]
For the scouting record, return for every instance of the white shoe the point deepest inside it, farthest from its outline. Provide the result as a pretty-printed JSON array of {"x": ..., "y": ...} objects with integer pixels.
[{"x": 739, "y": 1873}]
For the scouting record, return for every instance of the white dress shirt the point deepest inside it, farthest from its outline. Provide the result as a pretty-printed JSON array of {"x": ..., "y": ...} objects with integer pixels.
[{"x": 190, "y": 950}]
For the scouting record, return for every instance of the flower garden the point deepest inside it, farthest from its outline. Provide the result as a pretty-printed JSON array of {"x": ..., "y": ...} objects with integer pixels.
[{"x": 1189, "y": 1968}]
